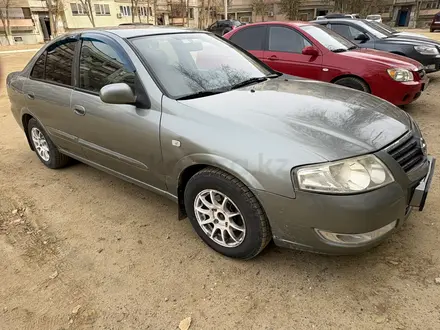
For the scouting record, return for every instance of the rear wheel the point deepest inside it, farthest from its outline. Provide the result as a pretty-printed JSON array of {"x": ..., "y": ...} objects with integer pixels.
[
  {"x": 226, "y": 214},
  {"x": 46, "y": 151},
  {"x": 353, "y": 82}
]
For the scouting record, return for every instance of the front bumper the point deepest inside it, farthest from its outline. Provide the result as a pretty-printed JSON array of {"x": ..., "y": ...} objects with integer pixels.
[
  {"x": 294, "y": 221},
  {"x": 402, "y": 93}
]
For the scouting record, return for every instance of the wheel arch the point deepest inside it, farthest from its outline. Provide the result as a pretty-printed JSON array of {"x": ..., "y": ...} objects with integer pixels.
[
  {"x": 25, "y": 122},
  {"x": 351, "y": 76},
  {"x": 190, "y": 165}
]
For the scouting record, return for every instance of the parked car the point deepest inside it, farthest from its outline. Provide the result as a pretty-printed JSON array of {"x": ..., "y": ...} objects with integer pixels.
[
  {"x": 435, "y": 24},
  {"x": 312, "y": 51},
  {"x": 367, "y": 35},
  {"x": 222, "y": 27},
  {"x": 374, "y": 18},
  {"x": 247, "y": 154}
]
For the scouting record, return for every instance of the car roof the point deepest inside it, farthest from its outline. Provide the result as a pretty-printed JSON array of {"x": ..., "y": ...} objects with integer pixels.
[
  {"x": 132, "y": 31},
  {"x": 291, "y": 23},
  {"x": 339, "y": 20}
]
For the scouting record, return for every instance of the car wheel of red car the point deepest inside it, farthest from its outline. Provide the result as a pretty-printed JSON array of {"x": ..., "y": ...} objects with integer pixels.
[{"x": 355, "y": 83}]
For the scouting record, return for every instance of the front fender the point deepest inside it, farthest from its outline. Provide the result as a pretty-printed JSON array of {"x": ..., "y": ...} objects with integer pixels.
[{"x": 227, "y": 165}]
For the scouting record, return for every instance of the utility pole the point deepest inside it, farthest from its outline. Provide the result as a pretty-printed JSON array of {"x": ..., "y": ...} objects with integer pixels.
[{"x": 226, "y": 9}]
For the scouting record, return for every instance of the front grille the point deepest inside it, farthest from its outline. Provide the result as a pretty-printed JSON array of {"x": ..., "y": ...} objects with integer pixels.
[{"x": 408, "y": 152}]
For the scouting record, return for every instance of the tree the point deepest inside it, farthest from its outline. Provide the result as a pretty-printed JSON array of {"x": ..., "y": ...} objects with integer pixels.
[
  {"x": 4, "y": 16},
  {"x": 261, "y": 7},
  {"x": 55, "y": 8},
  {"x": 290, "y": 8},
  {"x": 87, "y": 6}
]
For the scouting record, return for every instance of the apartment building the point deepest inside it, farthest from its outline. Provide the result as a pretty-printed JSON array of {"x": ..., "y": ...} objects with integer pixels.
[
  {"x": 413, "y": 13},
  {"x": 30, "y": 24}
]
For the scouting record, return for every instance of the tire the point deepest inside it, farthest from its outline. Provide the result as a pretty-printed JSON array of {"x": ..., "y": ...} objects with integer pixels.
[
  {"x": 431, "y": 30},
  {"x": 353, "y": 82},
  {"x": 226, "y": 30},
  {"x": 54, "y": 158},
  {"x": 256, "y": 235}
]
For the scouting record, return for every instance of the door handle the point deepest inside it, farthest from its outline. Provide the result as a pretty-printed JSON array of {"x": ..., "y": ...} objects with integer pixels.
[
  {"x": 30, "y": 96},
  {"x": 79, "y": 110},
  {"x": 273, "y": 58}
]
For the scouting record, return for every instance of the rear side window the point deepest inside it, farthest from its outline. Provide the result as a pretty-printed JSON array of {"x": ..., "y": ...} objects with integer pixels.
[
  {"x": 101, "y": 65},
  {"x": 38, "y": 69},
  {"x": 250, "y": 38},
  {"x": 59, "y": 61},
  {"x": 55, "y": 64},
  {"x": 283, "y": 39}
]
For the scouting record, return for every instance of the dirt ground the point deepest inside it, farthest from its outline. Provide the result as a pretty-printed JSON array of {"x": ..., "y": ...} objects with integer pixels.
[{"x": 80, "y": 249}]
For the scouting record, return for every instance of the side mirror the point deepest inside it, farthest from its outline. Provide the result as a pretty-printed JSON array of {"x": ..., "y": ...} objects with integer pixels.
[
  {"x": 310, "y": 50},
  {"x": 119, "y": 93},
  {"x": 361, "y": 37}
]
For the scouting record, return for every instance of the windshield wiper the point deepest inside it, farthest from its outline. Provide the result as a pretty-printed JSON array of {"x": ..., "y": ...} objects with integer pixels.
[
  {"x": 339, "y": 50},
  {"x": 249, "y": 82},
  {"x": 201, "y": 94},
  {"x": 352, "y": 47}
]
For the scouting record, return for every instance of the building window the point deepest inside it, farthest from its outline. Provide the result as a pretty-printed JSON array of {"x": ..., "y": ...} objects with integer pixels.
[
  {"x": 125, "y": 10},
  {"x": 144, "y": 11},
  {"x": 191, "y": 13},
  {"x": 78, "y": 9},
  {"x": 101, "y": 9}
]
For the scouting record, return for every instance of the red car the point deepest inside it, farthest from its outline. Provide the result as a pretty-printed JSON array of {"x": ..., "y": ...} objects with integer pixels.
[
  {"x": 435, "y": 24},
  {"x": 312, "y": 51}
]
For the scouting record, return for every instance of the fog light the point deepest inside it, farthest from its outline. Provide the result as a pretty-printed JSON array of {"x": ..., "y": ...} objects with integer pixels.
[{"x": 354, "y": 239}]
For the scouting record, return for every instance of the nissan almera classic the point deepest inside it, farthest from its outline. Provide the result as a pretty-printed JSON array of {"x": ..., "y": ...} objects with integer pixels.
[{"x": 248, "y": 154}]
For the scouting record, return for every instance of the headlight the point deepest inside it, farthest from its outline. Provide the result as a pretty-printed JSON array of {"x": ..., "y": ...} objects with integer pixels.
[
  {"x": 401, "y": 74},
  {"x": 426, "y": 50},
  {"x": 347, "y": 176}
]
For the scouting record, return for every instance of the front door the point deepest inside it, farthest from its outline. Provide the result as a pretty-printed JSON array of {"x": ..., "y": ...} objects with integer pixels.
[
  {"x": 352, "y": 33},
  {"x": 123, "y": 138},
  {"x": 49, "y": 90},
  {"x": 284, "y": 53}
]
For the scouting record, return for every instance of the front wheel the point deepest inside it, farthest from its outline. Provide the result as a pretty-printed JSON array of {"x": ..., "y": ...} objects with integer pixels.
[
  {"x": 353, "y": 82},
  {"x": 226, "y": 214}
]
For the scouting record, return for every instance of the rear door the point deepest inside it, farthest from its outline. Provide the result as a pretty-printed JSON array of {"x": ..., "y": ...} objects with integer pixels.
[
  {"x": 252, "y": 39},
  {"x": 49, "y": 90},
  {"x": 284, "y": 53}
]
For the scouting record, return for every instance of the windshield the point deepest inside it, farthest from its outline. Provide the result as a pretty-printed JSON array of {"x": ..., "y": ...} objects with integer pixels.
[
  {"x": 329, "y": 39},
  {"x": 190, "y": 63},
  {"x": 385, "y": 28},
  {"x": 374, "y": 29}
]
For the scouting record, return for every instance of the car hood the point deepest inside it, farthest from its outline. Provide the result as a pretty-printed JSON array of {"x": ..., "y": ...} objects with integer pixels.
[
  {"x": 410, "y": 40},
  {"x": 331, "y": 121},
  {"x": 385, "y": 58},
  {"x": 412, "y": 35}
]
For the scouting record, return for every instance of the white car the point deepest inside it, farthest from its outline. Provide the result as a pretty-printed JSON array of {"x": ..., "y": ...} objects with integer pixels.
[{"x": 374, "y": 18}]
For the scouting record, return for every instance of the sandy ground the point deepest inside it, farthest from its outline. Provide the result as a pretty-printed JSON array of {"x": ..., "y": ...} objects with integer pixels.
[{"x": 83, "y": 250}]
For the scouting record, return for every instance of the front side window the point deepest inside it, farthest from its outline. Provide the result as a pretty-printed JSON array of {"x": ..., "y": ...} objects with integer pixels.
[
  {"x": 346, "y": 31},
  {"x": 250, "y": 38},
  {"x": 101, "y": 65},
  {"x": 283, "y": 39},
  {"x": 189, "y": 63},
  {"x": 328, "y": 38},
  {"x": 59, "y": 61}
]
